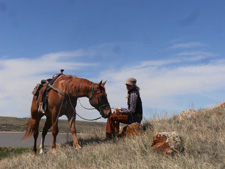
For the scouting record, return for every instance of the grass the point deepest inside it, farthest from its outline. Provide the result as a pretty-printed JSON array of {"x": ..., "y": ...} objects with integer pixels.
[
  {"x": 204, "y": 142},
  {"x": 7, "y": 152}
]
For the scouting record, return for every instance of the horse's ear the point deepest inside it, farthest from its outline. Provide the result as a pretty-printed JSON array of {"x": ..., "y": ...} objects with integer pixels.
[
  {"x": 100, "y": 83},
  {"x": 104, "y": 83}
]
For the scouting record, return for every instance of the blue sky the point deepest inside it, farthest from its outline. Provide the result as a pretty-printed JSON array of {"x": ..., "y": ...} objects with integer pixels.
[{"x": 175, "y": 50}]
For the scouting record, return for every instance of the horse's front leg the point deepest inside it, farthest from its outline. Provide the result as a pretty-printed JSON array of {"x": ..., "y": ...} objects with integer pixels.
[
  {"x": 44, "y": 132},
  {"x": 55, "y": 129},
  {"x": 71, "y": 120}
]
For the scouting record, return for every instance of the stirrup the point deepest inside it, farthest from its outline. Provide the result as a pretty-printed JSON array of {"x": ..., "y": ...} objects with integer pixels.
[{"x": 40, "y": 108}]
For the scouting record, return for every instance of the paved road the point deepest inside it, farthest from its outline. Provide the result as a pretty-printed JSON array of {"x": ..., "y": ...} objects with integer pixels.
[{"x": 13, "y": 139}]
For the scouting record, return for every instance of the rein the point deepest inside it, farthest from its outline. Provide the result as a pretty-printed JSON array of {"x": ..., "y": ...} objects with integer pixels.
[
  {"x": 63, "y": 94},
  {"x": 78, "y": 114},
  {"x": 85, "y": 107}
]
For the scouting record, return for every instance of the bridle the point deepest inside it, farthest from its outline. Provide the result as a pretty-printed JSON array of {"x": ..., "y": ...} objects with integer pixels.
[{"x": 97, "y": 96}]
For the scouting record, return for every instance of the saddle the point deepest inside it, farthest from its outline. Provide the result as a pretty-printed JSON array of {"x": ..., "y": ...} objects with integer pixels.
[{"x": 41, "y": 90}]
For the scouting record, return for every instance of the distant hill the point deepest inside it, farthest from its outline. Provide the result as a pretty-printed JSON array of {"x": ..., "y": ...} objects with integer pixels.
[{"x": 19, "y": 124}]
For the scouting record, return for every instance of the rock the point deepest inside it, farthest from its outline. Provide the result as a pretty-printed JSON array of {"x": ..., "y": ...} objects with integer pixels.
[
  {"x": 218, "y": 112},
  {"x": 191, "y": 113},
  {"x": 131, "y": 130},
  {"x": 167, "y": 143},
  {"x": 220, "y": 109},
  {"x": 222, "y": 105}
]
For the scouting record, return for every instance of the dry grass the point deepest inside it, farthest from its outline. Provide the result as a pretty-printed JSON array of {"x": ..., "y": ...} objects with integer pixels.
[{"x": 204, "y": 141}]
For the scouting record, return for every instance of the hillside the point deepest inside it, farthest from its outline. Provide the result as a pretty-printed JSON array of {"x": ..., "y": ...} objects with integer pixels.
[
  {"x": 18, "y": 125},
  {"x": 204, "y": 142}
]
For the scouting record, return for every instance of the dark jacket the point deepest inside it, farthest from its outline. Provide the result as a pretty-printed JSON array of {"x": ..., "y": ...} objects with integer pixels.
[{"x": 134, "y": 109}]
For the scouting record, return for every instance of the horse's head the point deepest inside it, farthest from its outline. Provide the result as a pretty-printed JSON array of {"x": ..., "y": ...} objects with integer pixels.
[{"x": 98, "y": 99}]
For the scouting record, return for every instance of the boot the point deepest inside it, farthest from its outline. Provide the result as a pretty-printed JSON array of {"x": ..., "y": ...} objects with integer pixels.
[
  {"x": 116, "y": 129},
  {"x": 115, "y": 134},
  {"x": 108, "y": 136},
  {"x": 40, "y": 108}
]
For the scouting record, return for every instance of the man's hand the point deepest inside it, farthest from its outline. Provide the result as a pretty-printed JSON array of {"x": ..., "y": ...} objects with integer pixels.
[{"x": 118, "y": 108}]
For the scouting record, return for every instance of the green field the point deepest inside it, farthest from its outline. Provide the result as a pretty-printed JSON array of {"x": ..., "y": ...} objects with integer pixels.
[{"x": 11, "y": 151}]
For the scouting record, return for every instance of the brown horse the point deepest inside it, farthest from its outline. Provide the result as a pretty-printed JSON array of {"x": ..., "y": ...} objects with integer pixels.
[{"x": 64, "y": 103}]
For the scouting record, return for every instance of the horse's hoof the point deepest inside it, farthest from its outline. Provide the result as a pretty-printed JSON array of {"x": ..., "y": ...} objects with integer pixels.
[
  {"x": 53, "y": 150},
  {"x": 78, "y": 147},
  {"x": 42, "y": 151}
]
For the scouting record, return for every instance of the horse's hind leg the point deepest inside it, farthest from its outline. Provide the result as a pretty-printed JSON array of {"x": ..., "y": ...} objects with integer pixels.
[
  {"x": 35, "y": 118},
  {"x": 48, "y": 124},
  {"x": 71, "y": 120},
  {"x": 36, "y": 121}
]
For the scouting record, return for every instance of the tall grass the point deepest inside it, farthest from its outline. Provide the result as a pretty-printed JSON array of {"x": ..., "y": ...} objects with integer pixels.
[{"x": 204, "y": 142}]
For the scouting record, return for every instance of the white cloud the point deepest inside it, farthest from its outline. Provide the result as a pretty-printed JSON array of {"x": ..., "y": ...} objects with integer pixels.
[
  {"x": 188, "y": 45},
  {"x": 163, "y": 62},
  {"x": 195, "y": 53},
  {"x": 19, "y": 77},
  {"x": 77, "y": 53},
  {"x": 157, "y": 63}
]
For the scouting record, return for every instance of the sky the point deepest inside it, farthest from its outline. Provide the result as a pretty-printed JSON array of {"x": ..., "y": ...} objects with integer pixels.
[{"x": 175, "y": 49}]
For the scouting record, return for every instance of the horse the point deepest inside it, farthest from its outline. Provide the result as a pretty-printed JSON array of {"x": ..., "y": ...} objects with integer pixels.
[{"x": 63, "y": 101}]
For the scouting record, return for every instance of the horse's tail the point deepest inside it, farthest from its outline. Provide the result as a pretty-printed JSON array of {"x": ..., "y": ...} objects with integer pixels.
[{"x": 29, "y": 129}]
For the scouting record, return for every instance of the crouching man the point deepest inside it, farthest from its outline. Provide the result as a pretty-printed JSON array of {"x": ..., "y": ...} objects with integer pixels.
[{"x": 126, "y": 115}]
